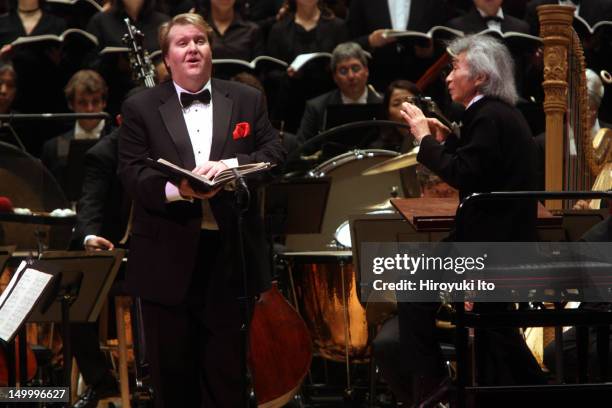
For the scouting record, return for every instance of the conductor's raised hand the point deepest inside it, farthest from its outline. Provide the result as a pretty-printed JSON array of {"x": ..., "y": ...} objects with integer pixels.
[
  {"x": 420, "y": 125},
  {"x": 414, "y": 117},
  {"x": 438, "y": 129}
]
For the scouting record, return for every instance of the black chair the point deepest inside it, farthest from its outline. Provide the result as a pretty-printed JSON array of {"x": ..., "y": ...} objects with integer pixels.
[{"x": 469, "y": 394}]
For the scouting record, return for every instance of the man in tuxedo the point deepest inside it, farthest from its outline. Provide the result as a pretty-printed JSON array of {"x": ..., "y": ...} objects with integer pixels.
[
  {"x": 349, "y": 65},
  {"x": 488, "y": 14},
  {"x": 101, "y": 220},
  {"x": 368, "y": 20},
  {"x": 86, "y": 92},
  {"x": 184, "y": 261},
  {"x": 495, "y": 152}
]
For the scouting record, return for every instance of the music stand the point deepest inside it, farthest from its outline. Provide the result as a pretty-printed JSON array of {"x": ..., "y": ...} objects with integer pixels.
[
  {"x": 336, "y": 115},
  {"x": 5, "y": 254},
  {"x": 288, "y": 212},
  {"x": 79, "y": 293},
  {"x": 76, "y": 166}
]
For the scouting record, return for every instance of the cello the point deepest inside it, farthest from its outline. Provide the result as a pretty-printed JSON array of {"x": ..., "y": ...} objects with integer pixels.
[{"x": 280, "y": 349}]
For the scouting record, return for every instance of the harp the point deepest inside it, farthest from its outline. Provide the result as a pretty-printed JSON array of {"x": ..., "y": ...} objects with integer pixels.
[{"x": 572, "y": 160}]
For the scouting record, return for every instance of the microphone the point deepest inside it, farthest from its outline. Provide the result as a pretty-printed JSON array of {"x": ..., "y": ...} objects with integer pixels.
[
  {"x": 240, "y": 180},
  {"x": 6, "y": 206},
  {"x": 243, "y": 195}
]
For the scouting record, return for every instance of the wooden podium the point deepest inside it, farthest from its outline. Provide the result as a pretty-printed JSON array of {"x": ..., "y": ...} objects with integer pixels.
[
  {"x": 427, "y": 214},
  {"x": 438, "y": 214}
]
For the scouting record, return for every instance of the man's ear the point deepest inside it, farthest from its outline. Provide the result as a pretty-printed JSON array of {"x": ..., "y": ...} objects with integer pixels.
[{"x": 480, "y": 79}]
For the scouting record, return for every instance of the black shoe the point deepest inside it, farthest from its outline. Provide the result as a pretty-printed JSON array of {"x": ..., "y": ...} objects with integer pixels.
[
  {"x": 88, "y": 399},
  {"x": 91, "y": 396},
  {"x": 431, "y": 391}
]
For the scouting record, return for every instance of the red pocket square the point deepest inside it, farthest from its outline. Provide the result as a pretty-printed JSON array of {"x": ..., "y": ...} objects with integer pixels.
[{"x": 242, "y": 129}]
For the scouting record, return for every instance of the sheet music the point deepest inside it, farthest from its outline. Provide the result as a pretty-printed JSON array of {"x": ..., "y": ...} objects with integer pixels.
[
  {"x": 10, "y": 285},
  {"x": 20, "y": 300}
]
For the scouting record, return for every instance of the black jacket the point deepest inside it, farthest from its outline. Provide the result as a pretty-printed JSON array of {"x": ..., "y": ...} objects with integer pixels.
[
  {"x": 314, "y": 114},
  {"x": 165, "y": 236},
  {"x": 495, "y": 152},
  {"x": 103, "y": 208},
  {"x": 472, "y": 22}
]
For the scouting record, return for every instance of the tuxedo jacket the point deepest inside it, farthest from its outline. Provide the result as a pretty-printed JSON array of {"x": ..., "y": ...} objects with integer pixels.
[
  {"x": 314, "y": 114},
  {"x": 55, "y": 153},
  {"x": 472, "y": 22},
  {"x": 393, "y": 61},
  {"x": 592, "y": 11},
  {"x": 495, "y": 152},
  {"x": 165, "y": 236},
  {"x": 103, "y": 208}
]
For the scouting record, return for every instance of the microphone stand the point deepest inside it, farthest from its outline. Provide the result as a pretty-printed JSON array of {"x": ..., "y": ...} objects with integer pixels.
[{"x": 242, "y": 198}]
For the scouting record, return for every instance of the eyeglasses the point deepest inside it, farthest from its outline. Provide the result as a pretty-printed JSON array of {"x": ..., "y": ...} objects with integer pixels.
[{"x": 355, "y": 69}]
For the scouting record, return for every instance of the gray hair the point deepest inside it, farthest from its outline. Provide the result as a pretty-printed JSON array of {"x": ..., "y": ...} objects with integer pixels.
[
  {"x": 348, "y": 50},
  {"x": 487, "y": 56},
  {"x": 595, "y": 89}
]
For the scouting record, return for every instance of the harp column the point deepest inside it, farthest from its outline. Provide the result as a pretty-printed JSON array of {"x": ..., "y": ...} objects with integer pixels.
[{"x": 555, "y": 30}]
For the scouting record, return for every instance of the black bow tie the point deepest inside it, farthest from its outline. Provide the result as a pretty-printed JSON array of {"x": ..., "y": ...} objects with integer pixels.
[
  {"x": 187, "y": 99},
  {"x": 497, "y": 19}
]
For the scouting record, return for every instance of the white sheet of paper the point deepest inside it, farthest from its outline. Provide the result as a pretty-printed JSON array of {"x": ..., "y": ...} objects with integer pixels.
[
  {"x": 14, "y": 279},
  {"x": 301, "y": 60},
  {"x": 23, "y": 297}
]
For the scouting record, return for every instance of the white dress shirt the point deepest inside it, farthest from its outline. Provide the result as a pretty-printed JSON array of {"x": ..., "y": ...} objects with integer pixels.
[
  {"x": 474, "y": 100},
  {"x": 399, "y": 10},
  {"x": 493, "y": 25},
  {"x": 82, "y": 134},
  {"x": 199, "y": 120},
  {"x": 363, "y": 99}
]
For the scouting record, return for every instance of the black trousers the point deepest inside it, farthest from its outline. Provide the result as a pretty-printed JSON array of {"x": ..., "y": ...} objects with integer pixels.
[
  {"x": 85, "y": 343},
  {"x": 195, "y": 348},
  {"x": 387, "y": 353}
]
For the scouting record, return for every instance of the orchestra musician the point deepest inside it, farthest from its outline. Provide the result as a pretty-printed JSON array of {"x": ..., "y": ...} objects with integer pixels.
[
  {"x": 86, "y": 92},
  {"x": 184, "y": 263},
  {"x": 495, "y": 152}
]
